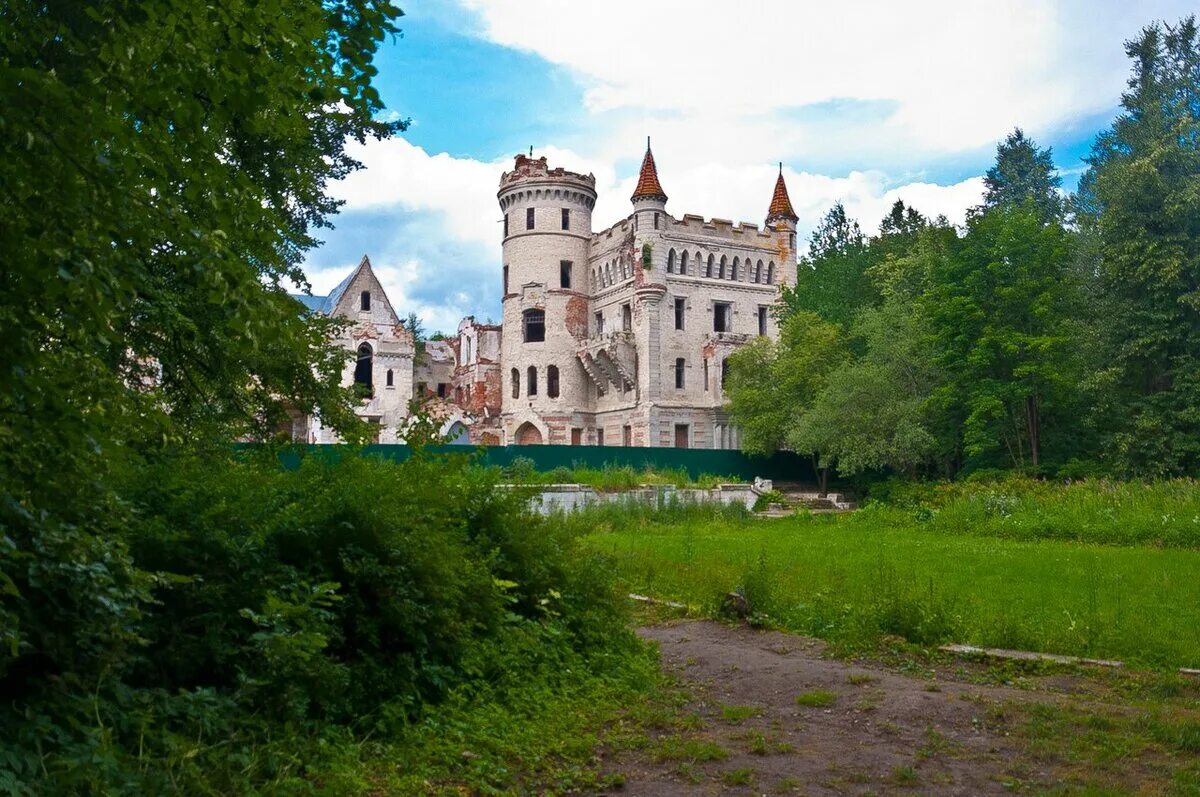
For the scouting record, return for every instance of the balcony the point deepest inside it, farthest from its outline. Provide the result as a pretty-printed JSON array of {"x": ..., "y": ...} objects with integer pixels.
[{"x": 610, "y": 358}]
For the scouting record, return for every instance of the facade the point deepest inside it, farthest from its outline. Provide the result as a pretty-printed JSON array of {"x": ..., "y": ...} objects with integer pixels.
[
  {"x": 620, "y": 337},
  {"x": 382, "y": 366},
  {"x": 616, "y": 337}
]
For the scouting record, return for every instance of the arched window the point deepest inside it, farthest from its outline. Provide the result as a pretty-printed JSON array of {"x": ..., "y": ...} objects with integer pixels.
[
  {"x": 390, "y": 382},
  {"x": 683, "y": 263},
  {"x": 364, "y": 301},
  {"x": 758, "y": 272},
  {"x": 531, "y": 381},
  {"x": 671, "y": 262},
  {"x": 535, "y": 326},
  {"x": 733, "y": 272},
  {"x": 552, "y": 381},
  {"x": 721, "y": 269},
  {"x": 364, "y": 365},
  {"x": 516, "y": 383},
  {"x": 708, "y": 272},
  {"x": 771, "y": 273}
]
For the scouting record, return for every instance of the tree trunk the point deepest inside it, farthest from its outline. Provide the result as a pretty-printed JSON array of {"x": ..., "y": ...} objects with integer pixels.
[
  {"x": 824, "y": 476},
  {"x": 1033, "y": 421}
]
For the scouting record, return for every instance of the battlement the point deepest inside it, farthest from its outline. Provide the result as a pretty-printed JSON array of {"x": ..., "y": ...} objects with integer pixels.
[
  {"x": 527, "y": 168},
  {"x": 722, "y": 228}
]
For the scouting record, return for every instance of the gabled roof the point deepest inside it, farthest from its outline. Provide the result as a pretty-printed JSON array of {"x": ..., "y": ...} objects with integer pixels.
[
  {"x": 648, "y": 186},
  {"x": 781, "y": 204},
  {"x": 327, "y": 304}
]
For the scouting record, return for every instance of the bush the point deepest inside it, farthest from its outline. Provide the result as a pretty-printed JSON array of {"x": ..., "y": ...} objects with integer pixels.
[{"x": 287, "y": 604}]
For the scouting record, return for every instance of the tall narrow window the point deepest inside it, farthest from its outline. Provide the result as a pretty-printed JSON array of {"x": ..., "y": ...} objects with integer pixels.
[
  {"x": 600, "y": 323},
  {"x": 721, "y": 269},
  {"x": 626, "y": 318},
  {"x": 564, "y": 274},
  {"x": 552, "y": 381},
  {"x": 529, "y": 218},
  {"x": 705, "y": 374},
  {"x": 762, "y": 321},
  {"x": 535, "y": 326},
  {"x": 566, "y": 218},
  {"x": 771, "y": 273},
  {"x": 671, "y": 262},
  {"x": 506, "y": 280},
  {"x": 390, "y": 379},
  {"x": 680, "y": 367},
  {"x": 505, "y": 225},
  {"x": 516, "y": 383},
  {"x": 722, "y": 317},
  {"x": 656, "y": 221},
  {"x": 680, "y": 311},
  {"x": 599, "y": 436},
  {"x": 724, "y": 372},
  {"x": 733, "y": 272},
  {"x": 364, "y": 366},
  {"x": 626, "y": 435},
  {"x": 708, "y": 272},
  {"x": 364, "y": 301},
  {"x": 683, "y": 263},
  {"x": 441, "y": 390},
  {"x": 531, "y": 381}
]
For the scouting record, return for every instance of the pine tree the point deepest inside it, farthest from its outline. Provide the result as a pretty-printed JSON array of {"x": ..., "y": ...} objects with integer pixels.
[
  {"x": 1024, "y": 172},
  {"x": 1142, "y": 198}
]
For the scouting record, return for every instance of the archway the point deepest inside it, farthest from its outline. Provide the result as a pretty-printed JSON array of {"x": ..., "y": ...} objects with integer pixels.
[
  {"x": 528, "y": 435},
  {"x": 457, "y": 434}
]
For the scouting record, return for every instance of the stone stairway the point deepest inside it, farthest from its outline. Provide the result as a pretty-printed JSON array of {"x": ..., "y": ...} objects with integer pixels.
[{"x": 798, "y": 496}]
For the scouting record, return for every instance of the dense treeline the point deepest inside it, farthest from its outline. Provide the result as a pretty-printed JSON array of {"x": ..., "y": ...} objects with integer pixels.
[
  {"x": 173, "y": 619},
  {"x": 1051, "y": 334}
]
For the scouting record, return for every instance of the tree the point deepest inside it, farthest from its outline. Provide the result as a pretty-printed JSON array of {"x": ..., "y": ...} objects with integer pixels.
[
  {"x": 165, "y": 166},
  {"x": 997, "y": 313},
  {"x": 871, "y": 412},
  {"x": 772, "y": 384},
  {"x": 831, "y": 279},
  {"x": 1024, "y": 172},
  {"x": 1141, "y": 198}
]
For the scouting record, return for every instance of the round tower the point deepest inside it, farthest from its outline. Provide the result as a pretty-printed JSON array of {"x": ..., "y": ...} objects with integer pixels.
[{"x": 547, "y": 232}]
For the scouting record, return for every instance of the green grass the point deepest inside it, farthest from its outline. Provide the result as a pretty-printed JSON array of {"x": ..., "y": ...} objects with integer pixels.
[
  {"x": 736, "y": 714},
  {"x": 854, "y": 578},
  {"x": 817, "y": 698}
]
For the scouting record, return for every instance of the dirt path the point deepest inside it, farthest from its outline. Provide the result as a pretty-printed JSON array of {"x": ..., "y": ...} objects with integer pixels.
[{"x": 767, "y": 714}]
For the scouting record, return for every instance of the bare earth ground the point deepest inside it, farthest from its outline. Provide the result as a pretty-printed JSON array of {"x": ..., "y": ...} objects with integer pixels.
[{"x": 875, "y": 730}]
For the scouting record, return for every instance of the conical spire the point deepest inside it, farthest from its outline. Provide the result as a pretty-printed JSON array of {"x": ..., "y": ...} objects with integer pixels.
[
  {"x": 781, "y": 204},
  {"x": 648, "y": 186}
]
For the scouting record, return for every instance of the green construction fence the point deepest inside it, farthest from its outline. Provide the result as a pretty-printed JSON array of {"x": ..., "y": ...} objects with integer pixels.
[{"x": 780, "y": 466}]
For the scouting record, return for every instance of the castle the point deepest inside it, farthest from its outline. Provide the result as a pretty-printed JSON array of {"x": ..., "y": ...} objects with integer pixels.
[{"x": 616, "y": 337}]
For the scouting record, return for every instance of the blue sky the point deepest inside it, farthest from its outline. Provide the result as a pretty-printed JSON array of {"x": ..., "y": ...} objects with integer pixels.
[{"x": 864, "y": 102}]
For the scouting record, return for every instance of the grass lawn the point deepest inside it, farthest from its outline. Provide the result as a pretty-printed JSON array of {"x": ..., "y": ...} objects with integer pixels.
[{"x": 853, "y": 578}]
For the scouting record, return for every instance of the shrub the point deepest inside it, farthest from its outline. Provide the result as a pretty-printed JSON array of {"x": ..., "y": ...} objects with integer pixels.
[{"x": 288, "y": 604}]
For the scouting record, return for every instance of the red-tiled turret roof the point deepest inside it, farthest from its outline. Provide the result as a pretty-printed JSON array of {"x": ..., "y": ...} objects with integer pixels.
[
  {"x": 781, "y": 204},
  {"x": 648, "y": 186}
]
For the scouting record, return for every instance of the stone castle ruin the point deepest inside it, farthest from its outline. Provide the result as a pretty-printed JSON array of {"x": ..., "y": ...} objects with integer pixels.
[{"x": 616, "y": 337}]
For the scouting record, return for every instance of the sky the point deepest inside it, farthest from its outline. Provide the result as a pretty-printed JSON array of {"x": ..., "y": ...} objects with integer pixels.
[{"x": 862, "y": 102}]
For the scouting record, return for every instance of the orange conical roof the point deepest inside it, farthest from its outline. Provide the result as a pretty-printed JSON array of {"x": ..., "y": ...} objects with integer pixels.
[
  {"x": 648, "y": 186},
  {"x": 781, "y": 204}
]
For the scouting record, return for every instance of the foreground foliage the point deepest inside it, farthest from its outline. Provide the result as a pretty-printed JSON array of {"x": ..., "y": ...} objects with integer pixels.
[{"x": 285, "y": 611}]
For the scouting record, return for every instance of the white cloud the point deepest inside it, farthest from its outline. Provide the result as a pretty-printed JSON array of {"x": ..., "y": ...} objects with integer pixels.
[{"x": 956, "y": 75}]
